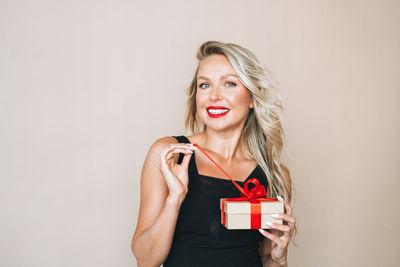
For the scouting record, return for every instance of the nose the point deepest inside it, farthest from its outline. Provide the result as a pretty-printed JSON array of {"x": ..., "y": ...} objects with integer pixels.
[{"x": 215, "y": 93}]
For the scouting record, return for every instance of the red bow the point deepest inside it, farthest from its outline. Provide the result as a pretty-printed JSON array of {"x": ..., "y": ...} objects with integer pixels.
[{"x": 257, "y": 191}]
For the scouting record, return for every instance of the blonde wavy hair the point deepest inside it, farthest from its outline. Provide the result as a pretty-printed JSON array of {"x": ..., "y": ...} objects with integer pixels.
[{"x": 263, "y": 133}]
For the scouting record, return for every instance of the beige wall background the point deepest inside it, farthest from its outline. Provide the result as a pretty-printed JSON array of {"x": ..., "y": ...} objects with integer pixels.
[{"x": 87, "y": 86}]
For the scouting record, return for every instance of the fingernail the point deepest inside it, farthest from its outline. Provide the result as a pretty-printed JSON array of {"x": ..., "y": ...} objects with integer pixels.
[
  {"x": 261, "y": 230},
  {"x": 269, "y": 224},
  {"x": 275, "y": 215},
  {"x": 190, "y": 151},
  {"x": 279, "y": 198}
]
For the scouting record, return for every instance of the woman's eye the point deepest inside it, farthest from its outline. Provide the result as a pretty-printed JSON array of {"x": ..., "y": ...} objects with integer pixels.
[
  {"x": 203, "y": 85},
  {"x": 230, "y": 84}
]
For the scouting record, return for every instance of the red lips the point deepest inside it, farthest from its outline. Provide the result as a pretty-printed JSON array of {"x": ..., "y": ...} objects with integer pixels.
[{"x": 217, "y": 115}]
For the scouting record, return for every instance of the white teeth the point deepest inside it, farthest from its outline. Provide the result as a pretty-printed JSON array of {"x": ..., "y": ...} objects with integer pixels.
[{"x": 218, "y": 111}]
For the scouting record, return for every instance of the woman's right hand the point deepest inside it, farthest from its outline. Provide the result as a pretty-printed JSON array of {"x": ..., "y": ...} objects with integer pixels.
[{"x": 176, "y": 175}]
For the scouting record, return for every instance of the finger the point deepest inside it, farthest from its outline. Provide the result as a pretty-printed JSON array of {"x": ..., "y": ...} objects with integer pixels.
[
  {"x": 173, "y": 151},
  {"x": 287, "y": 235},
  {"x": 181, "y": 146},
  {"x": 289, "y": 220},
  {"x": 283, "y": 234},
  {"x": 270, "y": 236},
  {"x": 186, "y": 160},
  {"x": 290, "y": 233},
  {"x": 163, "y": 161},
  {"x": 286, "y": 217},
  {"x": 165, "y": 152},
  {"x": 188, "y": 146},
  {"x": 168, "y": 150},
  {"x": 166, "y": 157},
  {"x": 277, "y": 226},
  {"x": 183, "y": 150},
  {"x": 287, "y": 206}
]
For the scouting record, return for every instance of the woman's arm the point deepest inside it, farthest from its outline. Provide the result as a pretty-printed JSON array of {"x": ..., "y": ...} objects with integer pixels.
[
  {"x": 271, "y": 263},
  {"x": 273, "y": 249},
  {"x": 163, "y": 189},
  {"x": 265, "y": 254}
]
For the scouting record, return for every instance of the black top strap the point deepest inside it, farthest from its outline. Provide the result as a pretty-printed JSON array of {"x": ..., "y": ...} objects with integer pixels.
[{"x": 181, "y": 139}]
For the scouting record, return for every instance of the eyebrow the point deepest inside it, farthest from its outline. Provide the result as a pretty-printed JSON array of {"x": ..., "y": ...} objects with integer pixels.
[{"x": 222, "y": 77}]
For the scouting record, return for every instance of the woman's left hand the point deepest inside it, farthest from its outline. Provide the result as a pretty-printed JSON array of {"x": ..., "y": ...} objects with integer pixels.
[{"x": 281, "y": 234}]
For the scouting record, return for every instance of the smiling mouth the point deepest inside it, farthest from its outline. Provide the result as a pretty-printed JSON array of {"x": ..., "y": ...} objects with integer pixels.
[{"x": 217, "y": 112}]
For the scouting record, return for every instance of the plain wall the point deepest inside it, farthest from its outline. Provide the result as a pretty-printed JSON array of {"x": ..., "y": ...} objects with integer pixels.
[{"x": 87, "y": 86}]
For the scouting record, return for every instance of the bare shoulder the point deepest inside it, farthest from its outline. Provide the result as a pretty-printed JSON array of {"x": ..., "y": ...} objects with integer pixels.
[
  {"x": 160, "y": 145},
  {"x": 152, "y": 161}
]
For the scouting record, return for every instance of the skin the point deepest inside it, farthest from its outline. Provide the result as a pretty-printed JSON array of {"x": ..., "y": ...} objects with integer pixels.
[{"x": 164, "y": 182}]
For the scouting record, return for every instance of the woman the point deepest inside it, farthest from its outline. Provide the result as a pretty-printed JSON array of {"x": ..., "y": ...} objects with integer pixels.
[{"x": 235, "y": 113}]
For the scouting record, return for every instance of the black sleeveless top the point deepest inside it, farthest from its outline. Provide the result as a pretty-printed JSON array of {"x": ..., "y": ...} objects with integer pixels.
[{"x": 200, "y": 239}]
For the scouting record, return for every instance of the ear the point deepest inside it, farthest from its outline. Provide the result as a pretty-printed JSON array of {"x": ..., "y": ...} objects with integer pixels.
[{"x": 251, "y": 105}]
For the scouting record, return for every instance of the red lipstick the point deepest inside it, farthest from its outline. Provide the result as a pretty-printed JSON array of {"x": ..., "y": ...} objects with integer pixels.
[{"x": 219, "y": 115}]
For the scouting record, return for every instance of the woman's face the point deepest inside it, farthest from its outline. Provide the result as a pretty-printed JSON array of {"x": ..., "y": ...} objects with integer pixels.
[{"x": 222, "y": 101}]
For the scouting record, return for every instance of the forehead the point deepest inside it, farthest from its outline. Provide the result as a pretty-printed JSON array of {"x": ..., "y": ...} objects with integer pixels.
[{"x": 215, "y": 65}]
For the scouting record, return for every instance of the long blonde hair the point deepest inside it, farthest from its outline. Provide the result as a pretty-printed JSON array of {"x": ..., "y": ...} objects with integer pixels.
[{"x": 263, "y": 133}]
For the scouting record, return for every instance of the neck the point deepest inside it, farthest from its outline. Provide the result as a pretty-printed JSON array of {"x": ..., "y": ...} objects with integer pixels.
[{"x": 227, "y": 144}]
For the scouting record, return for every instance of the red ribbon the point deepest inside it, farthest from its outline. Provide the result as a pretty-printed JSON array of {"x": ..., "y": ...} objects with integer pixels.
[{"x": 254, "y": 196}]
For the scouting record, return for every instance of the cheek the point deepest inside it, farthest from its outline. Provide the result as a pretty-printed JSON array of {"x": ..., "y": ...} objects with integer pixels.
[
  {"x": 198, "y": 103},
  {"x": 199, "y": 100},
  {"x": 242, "y": 99},
  {"x": 246, "y": 98}
]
